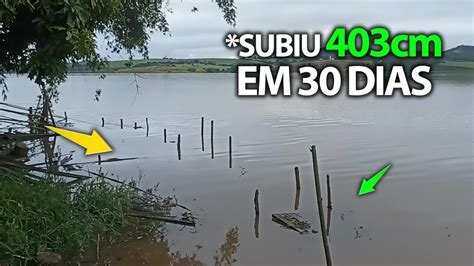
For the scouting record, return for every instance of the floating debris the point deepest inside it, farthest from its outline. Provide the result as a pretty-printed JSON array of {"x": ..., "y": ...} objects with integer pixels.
[{"x": 292, "y": 221}]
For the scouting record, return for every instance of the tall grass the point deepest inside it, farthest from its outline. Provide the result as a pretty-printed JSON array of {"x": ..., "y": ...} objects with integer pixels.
[{"x": 50, "y": 216}]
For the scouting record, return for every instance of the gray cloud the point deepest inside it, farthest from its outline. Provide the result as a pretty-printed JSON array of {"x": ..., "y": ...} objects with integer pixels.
[{"x": 201, "y": 34}]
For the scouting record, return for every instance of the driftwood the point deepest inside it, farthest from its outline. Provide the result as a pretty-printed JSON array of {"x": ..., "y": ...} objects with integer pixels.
[
  {"x": 167, "y": 219},
  {"x": 41, "y": 170},
  {"x": 292, "y": 221}
]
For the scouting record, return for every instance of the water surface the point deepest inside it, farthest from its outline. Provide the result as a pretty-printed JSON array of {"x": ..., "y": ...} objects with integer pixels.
[{"x": 421, "y": 214}]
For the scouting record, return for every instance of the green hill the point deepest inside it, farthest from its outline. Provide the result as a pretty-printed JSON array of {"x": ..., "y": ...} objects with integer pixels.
[{"x": 460, "y": 53}]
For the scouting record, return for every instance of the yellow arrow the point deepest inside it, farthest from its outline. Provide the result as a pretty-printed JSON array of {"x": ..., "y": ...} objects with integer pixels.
[{"x": 93, "y": 143}]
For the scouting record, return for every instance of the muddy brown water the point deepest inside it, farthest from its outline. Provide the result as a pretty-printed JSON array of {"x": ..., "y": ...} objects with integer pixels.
[{"x": 421, "y": 214}]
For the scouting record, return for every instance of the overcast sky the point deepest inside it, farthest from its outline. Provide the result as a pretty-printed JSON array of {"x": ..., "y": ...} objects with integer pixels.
[{"x": 201, "y": 34}]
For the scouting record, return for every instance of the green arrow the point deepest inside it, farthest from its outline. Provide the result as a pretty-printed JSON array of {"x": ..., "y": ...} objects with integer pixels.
[{"x": 368, "y": 185}]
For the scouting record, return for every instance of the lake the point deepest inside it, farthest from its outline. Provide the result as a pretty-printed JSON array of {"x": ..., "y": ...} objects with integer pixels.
[{"x": 421, "y": 213}]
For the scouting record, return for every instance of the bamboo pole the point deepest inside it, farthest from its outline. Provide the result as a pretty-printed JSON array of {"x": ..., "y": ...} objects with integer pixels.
[
  {"x": 328, "y": 185},
  {"x": 202, "y": 133},
  {"x": 103, "y": 122},
  {"x": 257, "y": 215},
  {"x": 135, "y": 126},
  {"x": 320, "y": 206},
  {"x": 121, "y": 123},
  {"x": 230, "y": 151},
  {"x": 298, "y": 188},
  {"x": 179, "y": 147},
  {"x": 164, "y": 135},
  {"x": 147, "y": 126},
  {"x": 297, "y": 199},
  {"x": 65, "y": 117},
  {"x": 329, "y": 209},
  {"x": 212, "y": 139}
]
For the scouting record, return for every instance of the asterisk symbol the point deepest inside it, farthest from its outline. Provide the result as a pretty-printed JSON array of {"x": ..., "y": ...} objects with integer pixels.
[{"x": 232, "y": 40}]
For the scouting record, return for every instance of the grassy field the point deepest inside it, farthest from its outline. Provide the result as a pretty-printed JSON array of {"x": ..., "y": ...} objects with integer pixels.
[
  {"x": 206, "y": 65},
  {"x": 227, "y": 65}
]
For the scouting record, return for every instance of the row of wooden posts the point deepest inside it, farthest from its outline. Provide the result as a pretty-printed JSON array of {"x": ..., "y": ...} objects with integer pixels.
[
  {"x": 319, "y": 200},
  {"x": 324, "y": 226},
  {"x": 179, "y": 136}
]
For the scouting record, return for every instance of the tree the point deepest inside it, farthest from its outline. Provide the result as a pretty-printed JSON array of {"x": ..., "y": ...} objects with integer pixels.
[{"x": 41, "y": 38}]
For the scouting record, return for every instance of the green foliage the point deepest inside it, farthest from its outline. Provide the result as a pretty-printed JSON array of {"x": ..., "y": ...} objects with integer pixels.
[
  {"x": 51, "y": 216},
  {"x": 40, "y": 38}
]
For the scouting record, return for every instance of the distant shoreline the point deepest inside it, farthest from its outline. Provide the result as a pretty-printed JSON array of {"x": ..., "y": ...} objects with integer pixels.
[
  {"x": 461, "y": 57},
  {"x": 184, "y": 66}
]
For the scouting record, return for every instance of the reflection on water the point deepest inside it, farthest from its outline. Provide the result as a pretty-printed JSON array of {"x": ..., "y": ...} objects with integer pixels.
[
  {"x": 149, "y": 251},
  {"x": 428, "y": 140},
  {"x": 226, "y": 253}
]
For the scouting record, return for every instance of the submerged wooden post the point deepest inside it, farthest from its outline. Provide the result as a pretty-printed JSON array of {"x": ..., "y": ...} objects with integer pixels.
[
  {"x": 179, "y": 146},
  {"x": 65, "y": 117},
  {"x": 135, "y": 126},
  {"x": 99, "y": 159},
  {"x": 328, "y": 186},
  {"x": 202, "y": 133},
  {"x": 103, "y": 122},
  {"x": 164, "y": 134},
  {"x": 257, "y": 215},
  {"x": 147, "y": 126},
  {"x": 320, "y": 206},
  {"x": 121, "y": 123},
  {"x": 230, "y": 151},
  {"x": 212, "y": 139}
]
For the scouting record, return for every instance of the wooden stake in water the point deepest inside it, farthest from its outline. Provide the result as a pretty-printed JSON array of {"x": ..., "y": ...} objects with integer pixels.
[
  {"x": 65, "y": 117},
  {"x": 202, "y": 133},
  {"x": 230, "y": 151},
  {"x": 164, "y": 135},
  {"x": 297, "y": 178},
  {"x": 328, "y": 185},
  {"x": 257, "y": 214},
  {"x": 298, "y": 188},
  {"x": 179, "y": 147},
  {"x": 320, "y": 206},
  {"x": 212, "y": 139},
  {"x": 99, "y": 159},
  {"x": 255, "y": 201},
  {"x": 103, "y": 122},
  {"x": 147, "y": 126},
  {"x": 135, "y": 126},
  {"x": 121, "y": 123}
]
